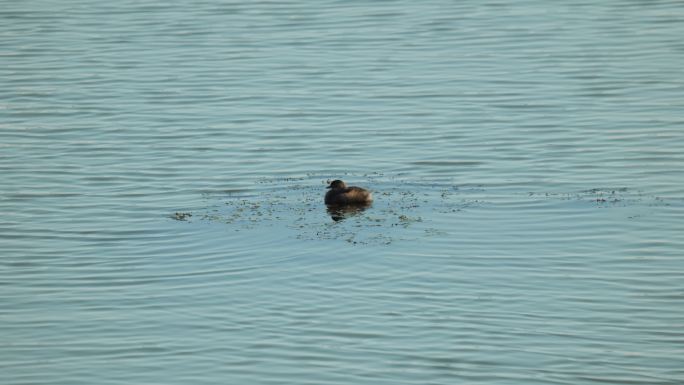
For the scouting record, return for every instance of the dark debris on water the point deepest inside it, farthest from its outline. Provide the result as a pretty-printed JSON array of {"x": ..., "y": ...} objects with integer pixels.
[{"x": 402, "y": 210}]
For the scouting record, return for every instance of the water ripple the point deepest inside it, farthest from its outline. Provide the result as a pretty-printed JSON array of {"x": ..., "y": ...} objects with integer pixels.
[{"x": 164, "y": 168}]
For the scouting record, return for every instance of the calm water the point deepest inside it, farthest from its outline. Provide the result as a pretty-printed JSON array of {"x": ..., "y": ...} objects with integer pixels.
[{"x": 163, "y": 167}]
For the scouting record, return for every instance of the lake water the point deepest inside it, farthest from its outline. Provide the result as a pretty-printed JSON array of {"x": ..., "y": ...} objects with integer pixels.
[{"x": 163, "y": 169}]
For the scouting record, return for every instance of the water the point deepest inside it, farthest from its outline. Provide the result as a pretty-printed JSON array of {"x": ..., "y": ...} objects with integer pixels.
[{"x": 164, "y": 166}]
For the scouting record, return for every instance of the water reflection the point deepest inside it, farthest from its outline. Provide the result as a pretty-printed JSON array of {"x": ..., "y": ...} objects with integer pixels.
[{"x": 338, "y": 213}]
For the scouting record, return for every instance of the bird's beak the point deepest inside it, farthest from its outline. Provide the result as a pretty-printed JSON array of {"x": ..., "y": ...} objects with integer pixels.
[{"x": 329, "y": 187}]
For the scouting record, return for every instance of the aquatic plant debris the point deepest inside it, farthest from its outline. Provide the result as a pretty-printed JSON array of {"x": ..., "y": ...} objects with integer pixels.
[
  {"x": 181, "y": 216},
  {"x": 403, "y": 210}
]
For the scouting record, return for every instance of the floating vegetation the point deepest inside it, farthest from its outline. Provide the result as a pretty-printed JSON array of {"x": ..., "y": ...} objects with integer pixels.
[
  {"x": 402, "y": 210},
  {"x": 601, "y": 197},
  {"x": 181, "y": 216}
]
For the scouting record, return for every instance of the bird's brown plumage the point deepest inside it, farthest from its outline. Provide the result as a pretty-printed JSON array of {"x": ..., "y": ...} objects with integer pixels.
[{"x": 341, "y": 195}]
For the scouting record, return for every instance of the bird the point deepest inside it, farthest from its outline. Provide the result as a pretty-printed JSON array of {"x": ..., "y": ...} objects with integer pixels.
[{"x": 341, "y": 195}]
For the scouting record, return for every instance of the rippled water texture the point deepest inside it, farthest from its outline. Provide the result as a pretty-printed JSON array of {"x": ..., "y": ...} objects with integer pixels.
[{"x": 163, "y": 169}]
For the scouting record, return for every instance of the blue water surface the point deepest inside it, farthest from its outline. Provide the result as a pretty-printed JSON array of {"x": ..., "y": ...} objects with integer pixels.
[{"x": 163, "y": 169}]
